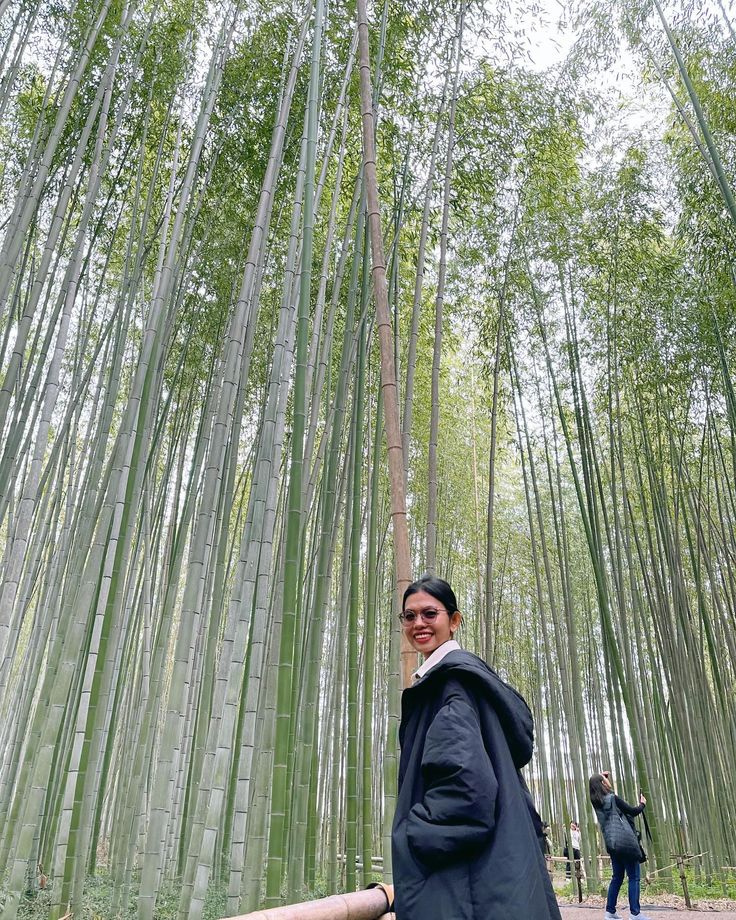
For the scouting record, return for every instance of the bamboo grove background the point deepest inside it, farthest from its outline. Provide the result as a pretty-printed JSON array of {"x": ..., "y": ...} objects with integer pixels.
[{"x": 199, "y": 652}]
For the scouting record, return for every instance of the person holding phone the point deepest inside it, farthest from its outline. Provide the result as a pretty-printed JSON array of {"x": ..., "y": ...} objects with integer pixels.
[
  {"x": 466, "y": 838},
  {"x": 608, "y": 806}
]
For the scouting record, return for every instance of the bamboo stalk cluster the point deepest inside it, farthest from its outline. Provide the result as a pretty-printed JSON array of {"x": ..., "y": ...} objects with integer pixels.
[{"x": 259, "y": 364}]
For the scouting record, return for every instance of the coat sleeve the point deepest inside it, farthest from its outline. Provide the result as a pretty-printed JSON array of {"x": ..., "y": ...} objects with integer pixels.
[
  {"x": 627, "y": 809},
  {"x": 457, "y": 813}
]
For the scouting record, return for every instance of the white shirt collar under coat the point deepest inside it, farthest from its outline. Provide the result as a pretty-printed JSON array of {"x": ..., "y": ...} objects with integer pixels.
[{"x": 437, "y": 655}]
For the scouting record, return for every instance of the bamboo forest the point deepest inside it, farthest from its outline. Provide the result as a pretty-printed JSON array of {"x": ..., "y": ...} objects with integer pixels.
[{"x": 300, "y": 300}]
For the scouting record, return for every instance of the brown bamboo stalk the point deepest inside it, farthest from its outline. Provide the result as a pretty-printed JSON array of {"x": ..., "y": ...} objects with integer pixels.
[{"x": 392, "y": 426}]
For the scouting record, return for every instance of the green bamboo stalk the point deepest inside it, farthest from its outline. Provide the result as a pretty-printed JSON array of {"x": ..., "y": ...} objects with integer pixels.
[
  {"x": 294, "y": 548},
  {"x": 432, "y": 465}
]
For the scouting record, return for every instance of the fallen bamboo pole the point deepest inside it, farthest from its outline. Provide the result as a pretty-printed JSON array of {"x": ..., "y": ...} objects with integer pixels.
[{"x": 372, "y": 904}]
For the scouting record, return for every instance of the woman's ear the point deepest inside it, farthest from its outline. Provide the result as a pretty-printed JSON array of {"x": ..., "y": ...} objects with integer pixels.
[{"x": 455, "y": 622}]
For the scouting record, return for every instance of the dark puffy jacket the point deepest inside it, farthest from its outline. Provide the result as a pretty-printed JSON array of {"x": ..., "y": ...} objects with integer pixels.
[{"x": 466, "y": 835}]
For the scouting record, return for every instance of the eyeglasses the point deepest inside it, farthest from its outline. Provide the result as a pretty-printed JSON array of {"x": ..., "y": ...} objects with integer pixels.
[{"x": 429, "y": 615}]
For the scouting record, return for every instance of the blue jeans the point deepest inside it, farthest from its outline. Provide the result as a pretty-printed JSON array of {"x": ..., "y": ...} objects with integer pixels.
[{"x": 633, "y": 870}]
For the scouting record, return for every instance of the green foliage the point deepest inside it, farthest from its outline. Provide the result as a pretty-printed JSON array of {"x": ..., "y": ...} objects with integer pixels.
[
  {"x": 700, "y": 887},
  {"x": 98, "y": 902}
]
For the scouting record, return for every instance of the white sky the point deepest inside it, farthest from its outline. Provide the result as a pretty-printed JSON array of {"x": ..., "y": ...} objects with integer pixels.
[{"x": 639, "y": 108}]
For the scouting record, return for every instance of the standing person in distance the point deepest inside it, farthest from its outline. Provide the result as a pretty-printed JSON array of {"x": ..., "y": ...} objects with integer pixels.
[
  {"x": 546, "y": 835},
  {"x": 575, "y": 840},
  {"x": 608, "y": 806},
  {"x": 466, "y": 837},
  {"x": 575, "y": 844}
]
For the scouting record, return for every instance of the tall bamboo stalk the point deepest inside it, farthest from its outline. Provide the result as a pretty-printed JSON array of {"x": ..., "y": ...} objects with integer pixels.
[{"x": 402, "y": 557}]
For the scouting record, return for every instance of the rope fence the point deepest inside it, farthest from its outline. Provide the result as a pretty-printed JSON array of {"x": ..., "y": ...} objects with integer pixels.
[{"x": 682, "y": 861}]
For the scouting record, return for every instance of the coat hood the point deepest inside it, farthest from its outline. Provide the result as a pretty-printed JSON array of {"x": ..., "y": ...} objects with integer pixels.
[{"x": 509, "y": 705}]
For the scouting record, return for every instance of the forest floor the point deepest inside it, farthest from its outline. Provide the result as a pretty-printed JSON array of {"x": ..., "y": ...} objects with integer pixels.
[{"x": 659, "y": 907}]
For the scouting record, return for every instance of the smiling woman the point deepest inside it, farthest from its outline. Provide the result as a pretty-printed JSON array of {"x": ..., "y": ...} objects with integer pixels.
[
  {"x": 430, "y": 615},
  {"x": 467, "y": 840}
]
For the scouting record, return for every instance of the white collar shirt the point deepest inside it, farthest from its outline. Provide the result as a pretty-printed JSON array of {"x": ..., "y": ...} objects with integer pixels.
[{"x": 434, "y": 659}]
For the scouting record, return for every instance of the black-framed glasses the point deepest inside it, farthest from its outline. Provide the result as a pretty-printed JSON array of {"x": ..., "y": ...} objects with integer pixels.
[{"x": 429, "y": 615}]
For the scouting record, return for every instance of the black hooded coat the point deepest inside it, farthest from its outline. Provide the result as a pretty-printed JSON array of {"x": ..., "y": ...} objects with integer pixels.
[{"x": 466, "y": 836}]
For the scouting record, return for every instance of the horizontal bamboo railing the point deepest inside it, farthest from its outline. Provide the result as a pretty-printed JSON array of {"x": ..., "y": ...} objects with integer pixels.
[{"x": 372, "y": 904}]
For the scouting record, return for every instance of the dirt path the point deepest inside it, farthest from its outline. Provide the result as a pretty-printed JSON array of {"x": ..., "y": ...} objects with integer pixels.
[{"x": 656, "y": 913}]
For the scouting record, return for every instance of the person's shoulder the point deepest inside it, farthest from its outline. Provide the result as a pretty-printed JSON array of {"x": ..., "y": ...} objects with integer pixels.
[
  {"x": 460, "y": 668},
  {"x": 458, "y": 675},
  {"x": 492, "y": 695},
  {"x": 454, "y": 665},
  {"x": 460, "y": 660}
]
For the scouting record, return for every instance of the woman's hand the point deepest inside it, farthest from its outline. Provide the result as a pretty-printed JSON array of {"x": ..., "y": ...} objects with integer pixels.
[{"x": 642, "y": 800}]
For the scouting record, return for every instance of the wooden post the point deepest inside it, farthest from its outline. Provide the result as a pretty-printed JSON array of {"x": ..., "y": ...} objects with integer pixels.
[
  {"x": 683, "y": 879},
  {"x": 579, "y": 877}
]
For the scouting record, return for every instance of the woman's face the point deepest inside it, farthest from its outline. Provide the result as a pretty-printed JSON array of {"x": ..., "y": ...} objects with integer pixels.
[{"x": 426, "y": 635}]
